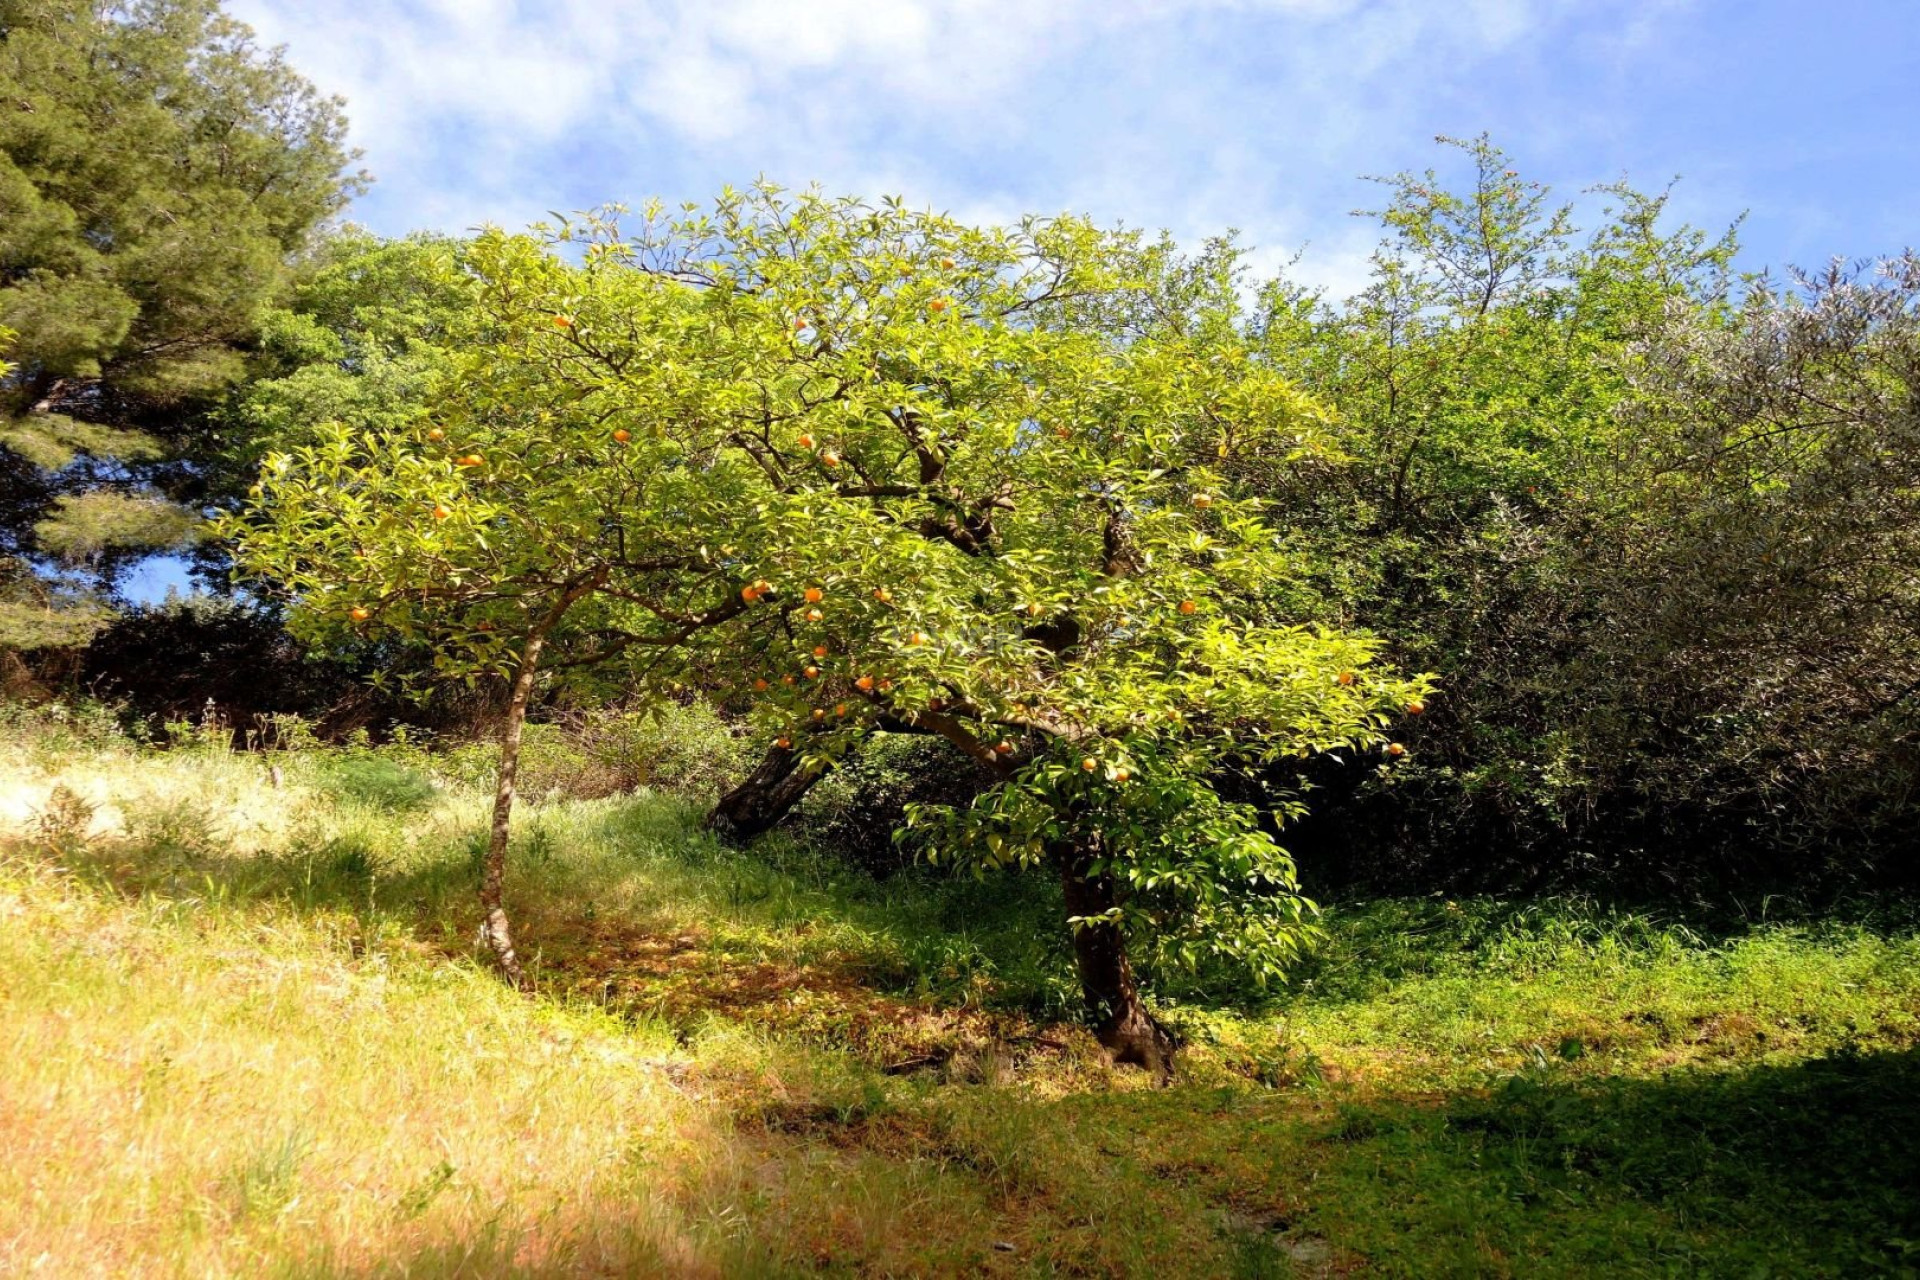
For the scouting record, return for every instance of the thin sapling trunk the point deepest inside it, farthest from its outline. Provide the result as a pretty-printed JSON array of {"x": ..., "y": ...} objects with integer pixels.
[{"x": 494, "y": 926}]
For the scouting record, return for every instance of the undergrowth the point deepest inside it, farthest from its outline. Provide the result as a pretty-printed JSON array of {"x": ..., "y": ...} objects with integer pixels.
[{"x": 248, "y": 1033}]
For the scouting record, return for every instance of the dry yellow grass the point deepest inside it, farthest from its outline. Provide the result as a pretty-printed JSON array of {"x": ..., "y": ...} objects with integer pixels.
[
  {"x": 214, "y": 1073},
  {"x": 190, "y": 1092}
]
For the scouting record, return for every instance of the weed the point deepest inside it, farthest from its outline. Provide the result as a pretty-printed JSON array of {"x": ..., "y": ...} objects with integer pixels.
[{"x": 267, "y": 1181}]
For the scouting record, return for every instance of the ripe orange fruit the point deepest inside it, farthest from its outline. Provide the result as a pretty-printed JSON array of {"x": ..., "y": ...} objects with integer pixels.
[
  {"x": 805, "y": 441},
  {"x": 828, "y": 458},
  {"x": 916, "y": 637},
  {"x": 1395, "y": 749},
  {"x": 749, "y": 593},
  {"x": 1063, "y": 433},
  {"x": 840, "y": 708},
  {"x": 762, "y": 586},
  {"x": 937, "y": 305},
  {"x": 819, "y": 651},
  {"x": 623, "y": 435},
  {"x": 786, "y": 680},
  {"x": 440, "y": 512},
  {"x": 1003, "y": 747},
  {"x": 760, "y": 685},
  {"x": 882, "y": 594},
  {"x": 1188, "y": 606},
  {"x": 1202, "y": 500},
  {"x": 1121, "y": 775},
  {"x": 946, "y": 264},
  {"x": 1034, "y": 610},
  {"x": 358, "y": 614},
  {"x": 563, "y": 322},
  {"x": 436, "y": 435},
  {"x": 799, "y": 323},
  {"x": 814, "y": 615},
  {"x": 810, "y": 671},
  {"x": 818, "y": 714},
  {"x": 783, "y": 742},
  {"x": 1089, "y": 764},
  {"x": 1345, "y": 677},
  {"x": 864, "y": 684},
  {"x": 469, "y": 460},
  {"x": 814, "y": 595},
  {"x": 1416, "y": 707}
]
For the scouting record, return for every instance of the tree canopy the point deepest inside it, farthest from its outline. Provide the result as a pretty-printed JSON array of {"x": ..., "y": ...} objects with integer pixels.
[
  {"x": 851, "y": 466},
  {"x": 159, "y": 172}
]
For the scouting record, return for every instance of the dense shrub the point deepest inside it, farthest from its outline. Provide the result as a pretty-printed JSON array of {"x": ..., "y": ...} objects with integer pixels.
[
  {"x": 1654, "y": 533},
  {"x": 686, "y": 749},
  {"x": 857, "y": 809},
  {"x": 48, "y": 731},
  {"x": 203, "y": 657}
]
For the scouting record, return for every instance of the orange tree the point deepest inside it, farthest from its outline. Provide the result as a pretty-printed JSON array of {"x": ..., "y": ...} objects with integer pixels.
[
  {"x": 506, "y": 529},
  {"x": 854, "y": 468}
]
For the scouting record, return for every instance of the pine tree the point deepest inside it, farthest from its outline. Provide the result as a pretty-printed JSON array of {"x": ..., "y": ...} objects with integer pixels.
[{"x": 159, "y": 172}]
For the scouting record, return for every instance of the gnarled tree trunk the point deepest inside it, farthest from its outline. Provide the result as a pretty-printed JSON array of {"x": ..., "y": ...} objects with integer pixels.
[
  {"x": 767, "y": 795},
  {"x": 494, "y": 927},
  {"x": 1121, "y": 1021}
]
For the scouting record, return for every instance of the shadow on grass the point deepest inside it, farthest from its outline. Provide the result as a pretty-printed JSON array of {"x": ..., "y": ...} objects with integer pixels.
[
  {"x": 630, "y": 906},
  {"x": 342, "y": 875},
  {"x": 1807, "y": 1169},
  {"x": 1804, "y": 1170}
]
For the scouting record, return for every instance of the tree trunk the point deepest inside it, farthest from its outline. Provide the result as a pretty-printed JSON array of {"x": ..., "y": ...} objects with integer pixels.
[
  {"x": 1121, "y": 1021},
  {"x": 767, "y": 795},
  {"x": 493, "y": 909}
]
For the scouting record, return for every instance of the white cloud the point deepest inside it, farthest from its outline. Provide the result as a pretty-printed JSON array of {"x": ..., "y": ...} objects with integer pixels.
[{"x": 1189, "y": 114}]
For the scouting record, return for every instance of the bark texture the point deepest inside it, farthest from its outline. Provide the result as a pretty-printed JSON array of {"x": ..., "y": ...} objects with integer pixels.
[
  {"x": 494, "y": 925},
  {"x": 766, "y": 796},
  {"x": 1121, "y": 1020}
]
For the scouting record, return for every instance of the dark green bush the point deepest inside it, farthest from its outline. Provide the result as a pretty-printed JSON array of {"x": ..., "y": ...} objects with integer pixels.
[
  {"x": 857, "y": 809},
  {"x": 1653, "y": 529}
]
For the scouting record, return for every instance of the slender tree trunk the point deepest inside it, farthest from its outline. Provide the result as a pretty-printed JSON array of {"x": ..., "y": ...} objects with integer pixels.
[
  {"x": 1121, "y": 1021},
  {"x": 493, "y": 909},
  {"x": 767, "y": 795}
]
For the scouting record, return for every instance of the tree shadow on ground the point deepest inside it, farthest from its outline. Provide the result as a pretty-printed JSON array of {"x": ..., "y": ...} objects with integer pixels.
[
  {"x": 629, "y": 906},
  {"x": 1804, "y": 1169}
]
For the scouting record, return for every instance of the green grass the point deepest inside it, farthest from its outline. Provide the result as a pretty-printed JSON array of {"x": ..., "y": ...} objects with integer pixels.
[{"x": 248, "y": 1034}]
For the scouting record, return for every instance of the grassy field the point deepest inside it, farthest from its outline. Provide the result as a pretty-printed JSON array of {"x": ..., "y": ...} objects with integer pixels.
[{"x": 246, "y": 1032}]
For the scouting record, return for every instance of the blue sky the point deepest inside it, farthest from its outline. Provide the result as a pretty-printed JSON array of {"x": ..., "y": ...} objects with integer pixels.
[{"x": 1193, "y": 115}]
